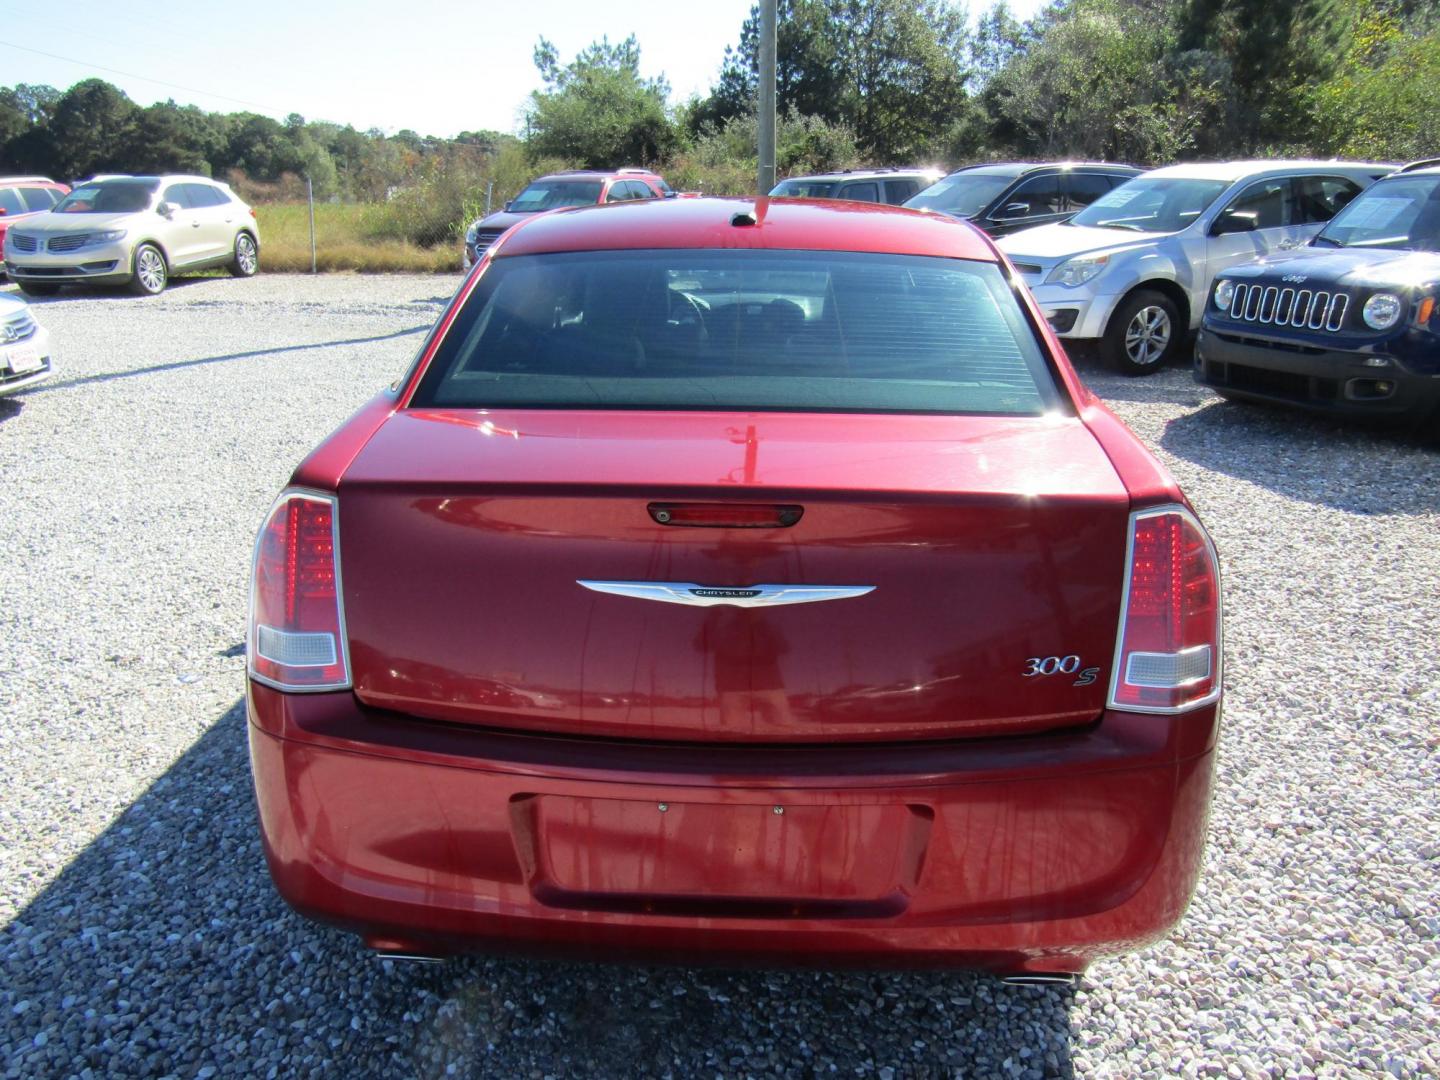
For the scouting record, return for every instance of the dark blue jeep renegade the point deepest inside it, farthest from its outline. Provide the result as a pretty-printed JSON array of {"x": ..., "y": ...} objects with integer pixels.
[{"x": 1349, "y": 324}]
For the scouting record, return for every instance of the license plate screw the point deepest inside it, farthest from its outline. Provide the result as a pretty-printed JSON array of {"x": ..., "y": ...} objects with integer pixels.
[
  {"x": 779, "y": 809},
  {"x": 664, "y": 806}
]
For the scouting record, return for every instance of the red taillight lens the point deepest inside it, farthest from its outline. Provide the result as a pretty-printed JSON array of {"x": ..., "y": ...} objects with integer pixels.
[
  {"x": 297, "y": 630},
  {"x": 1168, "y": 657}
]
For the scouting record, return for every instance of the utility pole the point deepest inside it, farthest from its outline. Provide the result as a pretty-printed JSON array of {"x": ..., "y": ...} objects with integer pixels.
[
  {"x": 310, "y": 198},
  {"x": 766, "y": 179}
]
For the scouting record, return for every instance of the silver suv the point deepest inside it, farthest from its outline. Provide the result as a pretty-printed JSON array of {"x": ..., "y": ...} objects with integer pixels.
[
  {"x": 1133, "y": 270},
  {"x": 136, "y": 231}
]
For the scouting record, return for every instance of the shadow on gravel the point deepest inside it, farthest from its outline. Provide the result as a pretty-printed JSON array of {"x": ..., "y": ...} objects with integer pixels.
[
  {"x": 1351, "y": 467},
  {"x": 176, "y": 365},
  {"x": 10, "y": 408},
  {"x": 163, "y": 950}
]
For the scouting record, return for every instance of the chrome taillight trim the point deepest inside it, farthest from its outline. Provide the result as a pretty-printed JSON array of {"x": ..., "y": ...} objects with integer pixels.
[
  {"x": 252, "y": 645},
  {"x": 1218, "y": 663}
]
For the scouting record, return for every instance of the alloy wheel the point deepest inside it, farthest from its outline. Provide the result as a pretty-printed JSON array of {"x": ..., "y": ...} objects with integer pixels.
[
  {"x": 150, "y": 269},
  {"x": 245, "y": 255},
  {"x": 1148, "y": 335}
]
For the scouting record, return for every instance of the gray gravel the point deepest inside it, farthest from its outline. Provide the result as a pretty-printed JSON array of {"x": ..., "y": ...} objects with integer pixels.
[{"x": 140, "y": 932}]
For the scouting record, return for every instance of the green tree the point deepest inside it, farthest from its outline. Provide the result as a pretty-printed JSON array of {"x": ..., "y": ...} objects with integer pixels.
[
  {"x": 1274, "y": 49},
  {"x": 1381, "y": 103},
  {"x": 90, "y": 130},
  {"x": 598, "y": 110},
  {"x": 172, "y": 138},
  {"x": 998, "y": 39},
  {"x": 893, "y": 70},
  {"x": 1104, "y": 79}
]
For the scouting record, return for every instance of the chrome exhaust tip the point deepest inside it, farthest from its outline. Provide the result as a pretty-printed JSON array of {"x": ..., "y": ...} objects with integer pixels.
[
  {"x": 1040, "y": 978},
  {"x": 408, "y": 957}
]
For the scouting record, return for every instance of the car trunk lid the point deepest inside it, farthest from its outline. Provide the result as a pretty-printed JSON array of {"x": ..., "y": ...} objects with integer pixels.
[{"x": 981, "y": 560}]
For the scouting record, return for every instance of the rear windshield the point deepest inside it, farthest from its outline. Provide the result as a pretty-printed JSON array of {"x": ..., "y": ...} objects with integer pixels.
[
  {"x": 552, "y": 194},
  {"x": 741, "y": 330},
  {"x": 962, "y": 194},
  {"x": 126, "y": 197},
  {"x": 803, "y": 189}
]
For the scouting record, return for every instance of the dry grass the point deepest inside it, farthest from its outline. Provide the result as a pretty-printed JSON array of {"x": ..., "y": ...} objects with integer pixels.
[{"x": 341, "y": 242}]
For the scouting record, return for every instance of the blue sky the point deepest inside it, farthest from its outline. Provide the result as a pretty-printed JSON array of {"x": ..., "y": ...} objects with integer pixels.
[{"x": 440, "y": 67}]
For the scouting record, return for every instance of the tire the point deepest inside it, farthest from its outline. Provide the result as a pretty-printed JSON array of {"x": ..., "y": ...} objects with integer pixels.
[
  {"x": 38, "y": 288},
  {"x": 247, "y": 256},
  {"x": 151, "y": 274},
  {"x": 1144, "y": 334}
]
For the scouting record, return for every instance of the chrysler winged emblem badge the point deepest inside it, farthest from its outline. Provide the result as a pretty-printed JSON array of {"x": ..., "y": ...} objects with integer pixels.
[{"x": 749, "y": 596}]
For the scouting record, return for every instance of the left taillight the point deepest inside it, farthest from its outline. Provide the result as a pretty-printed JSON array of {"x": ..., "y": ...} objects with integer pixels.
[
  {"x": 297, "y": 622},
  {"x": 1168, "y": 651}
]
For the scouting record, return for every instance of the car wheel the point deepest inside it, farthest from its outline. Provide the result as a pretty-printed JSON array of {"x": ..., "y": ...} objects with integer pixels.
[
  {"x": 1144, "y": 334},
  {"x": 247, "y": 256},
  {"x": 37, "y": 288},
  {"x": 151, "y": 274}
]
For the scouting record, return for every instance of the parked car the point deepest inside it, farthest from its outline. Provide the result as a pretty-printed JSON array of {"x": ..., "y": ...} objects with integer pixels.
[
  {"x": 22, "y": 197},
  {"x": 639, "y": 619},
  {"x": 1008, "y": 196},
  {"x": 1348, "y": 324},
  {"x": 24, "y": 347},
  {"x": 577, "y": 187},
  {"x": 138, "y": 231},
  {"x": 891, "y": 186},
  {"x": 1133, "y": 270}
]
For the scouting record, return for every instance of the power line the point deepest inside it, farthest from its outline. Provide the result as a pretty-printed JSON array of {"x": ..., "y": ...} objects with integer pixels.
[{"x": 145, "y": 78}]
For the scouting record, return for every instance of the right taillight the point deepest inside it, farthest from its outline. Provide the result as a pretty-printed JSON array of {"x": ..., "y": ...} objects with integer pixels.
[
  {"x": 297, "y": 626},
  {"x": 1167, "y": 656}
]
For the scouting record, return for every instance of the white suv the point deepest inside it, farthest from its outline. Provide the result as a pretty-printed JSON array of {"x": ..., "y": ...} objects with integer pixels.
[
  {"x": 1134, "y": 269},
  {"x": 136, "y": 231}
]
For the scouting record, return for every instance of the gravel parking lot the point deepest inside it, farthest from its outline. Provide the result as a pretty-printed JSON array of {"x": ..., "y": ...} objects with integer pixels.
[{"x": 141, "y": 935}]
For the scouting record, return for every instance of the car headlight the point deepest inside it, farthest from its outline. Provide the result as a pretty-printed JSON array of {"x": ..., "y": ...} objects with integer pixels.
[
  {"x": 106, "y": 237},
  {"x": 1224, "y": 293},
  {"x": 1077, "y": 271},
  {"x": 1382, "y": 311},
  {"x": 470, "y": 233}
]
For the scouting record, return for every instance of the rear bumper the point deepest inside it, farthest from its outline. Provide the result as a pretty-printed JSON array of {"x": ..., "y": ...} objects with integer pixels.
[
  {"x": 1026, "y": 854},
  {"x": 1335, "y": 381}
]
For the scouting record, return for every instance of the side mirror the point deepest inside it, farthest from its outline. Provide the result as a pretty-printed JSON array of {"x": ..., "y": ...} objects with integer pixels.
[
  {"x": 508, "y": 205},
  {"x": 167, "y": 209},
  {"x": 1234, "y": 221},
  {"x": 1015, "y": 209},
  {"x": 672, "y": 194}
]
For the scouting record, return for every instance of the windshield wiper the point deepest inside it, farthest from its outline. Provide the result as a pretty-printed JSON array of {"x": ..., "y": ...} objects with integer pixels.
[
  {"x": 1327, "y": 240},
  {"x": 1122, "y": 225}
]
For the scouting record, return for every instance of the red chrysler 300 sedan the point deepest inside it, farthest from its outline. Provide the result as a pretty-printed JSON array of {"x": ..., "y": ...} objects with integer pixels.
[{"x": 744, "y": 582}]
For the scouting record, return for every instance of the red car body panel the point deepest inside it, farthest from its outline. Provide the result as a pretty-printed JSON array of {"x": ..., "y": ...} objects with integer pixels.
[
  {"x": 524, "y": 764},
  {"x": 500, "y": 490},
  {"x": 1040, "y": 854}
]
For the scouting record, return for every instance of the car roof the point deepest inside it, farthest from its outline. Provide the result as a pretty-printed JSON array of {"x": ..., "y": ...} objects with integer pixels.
[
  {"x": 167, "y": 178},
  {"x": 1020, "y": 168},
  {"x": 600, "y": 174},
  {"x": 26, "y": 180},
  {"x": 780, "y": 224},
  {"x": 1231, "y": 171},
  {"x": 870, "y": 174}
]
